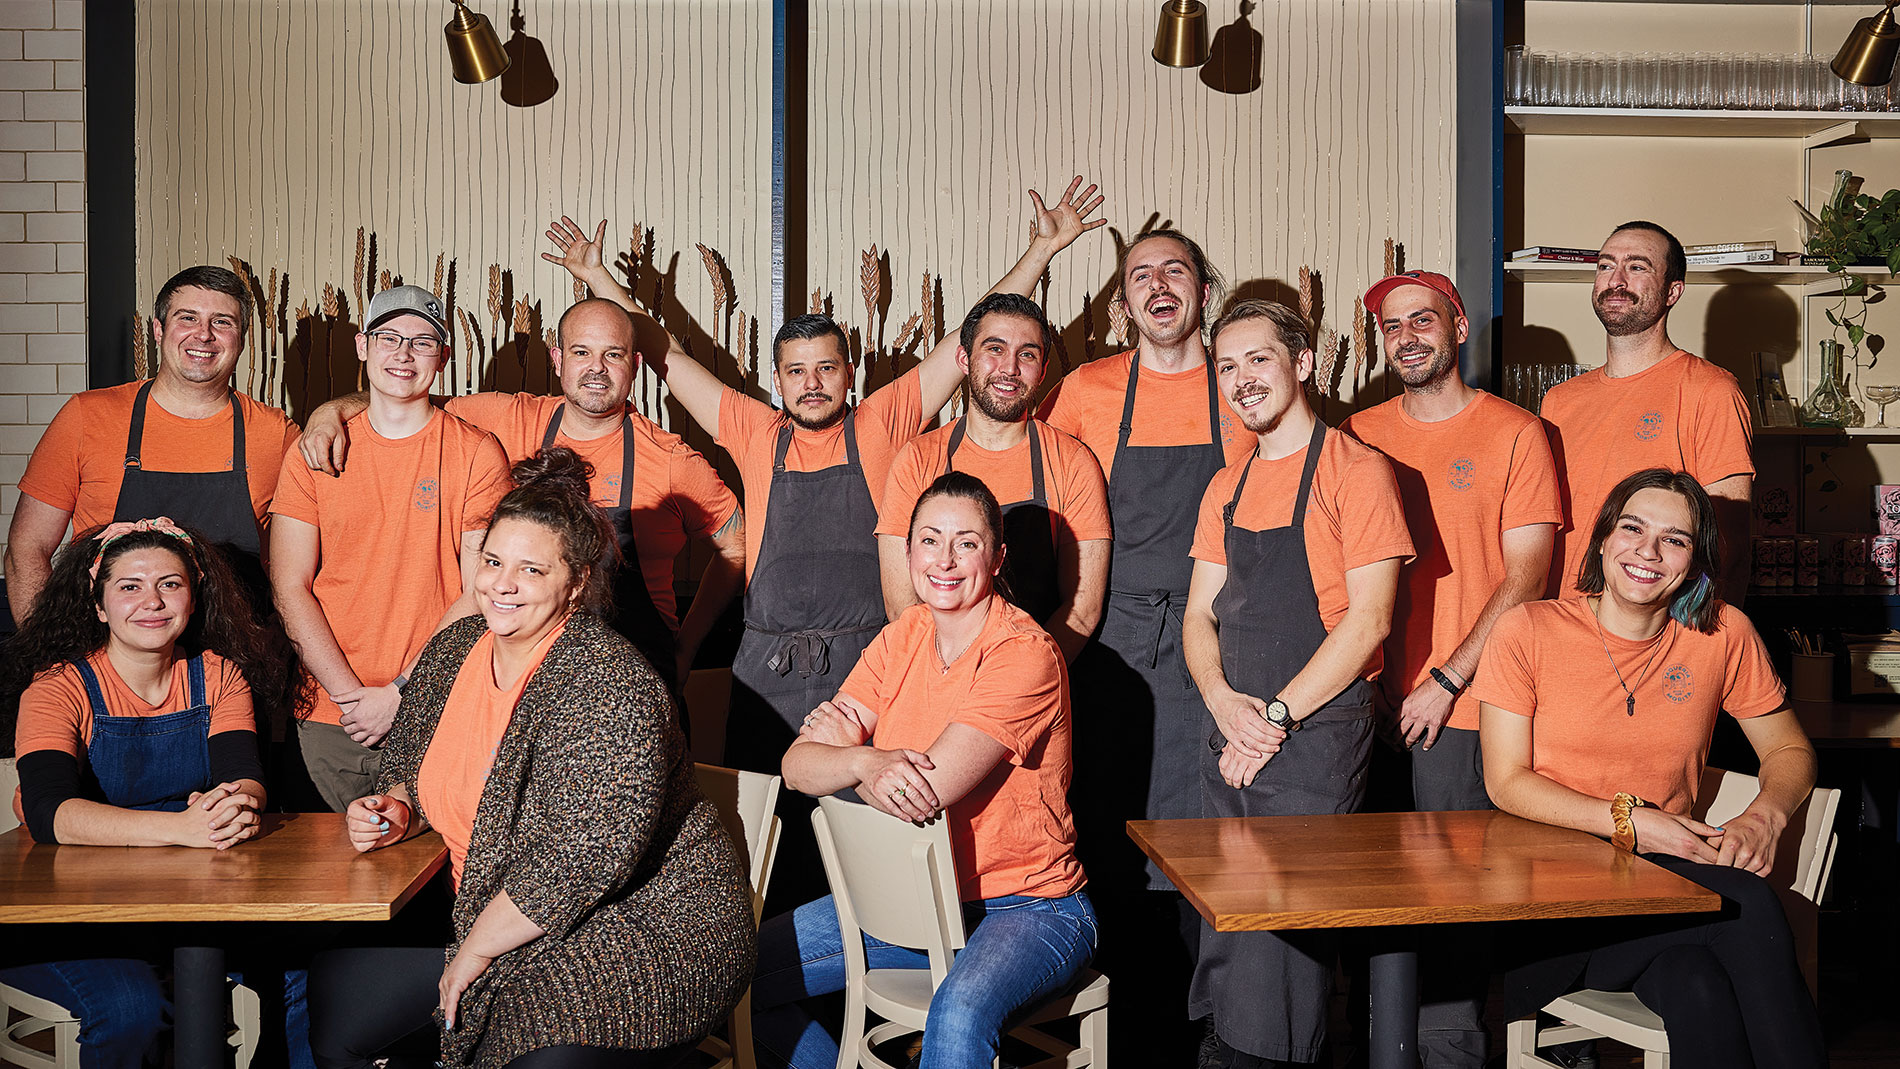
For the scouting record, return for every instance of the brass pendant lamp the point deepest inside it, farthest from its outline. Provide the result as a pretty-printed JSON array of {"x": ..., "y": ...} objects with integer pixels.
[
  {"x": 1866, "y": 57},
  {"x": 475, "y": 52},
  {"x": 1181, "y": 36}
]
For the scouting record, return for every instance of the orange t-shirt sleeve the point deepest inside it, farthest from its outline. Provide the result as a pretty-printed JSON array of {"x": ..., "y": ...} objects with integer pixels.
[
  {"x": 700, "y": 497},
  {"x": 1371, "y": 514},
  {"x": 1507, "y": 676},
  {"x": 296, "y": 489},
  {"x": 1752, "y": 687},
  {"x": 1016, "y": 693},
  {"x": 901, "y": 491},
  {"x": 741, "y": 420},
  {"x": 50, "y": 712},
  {"x": 230, "y": 697},
  {"x": 488, "y": 483},
  {"x": 1210, "y": 527},
  {"x": 869, "y": 681},
  {"x": 1084, "y": 492},
  {"x": 489, "y": 411},
  {"x": 52, "y": 473},
  {"x": 1060, "y": 409},
  {"x": 897, "y": 407},
  {"x": 1530, "y": 491},
  {"x": 1723, "y": 430}
]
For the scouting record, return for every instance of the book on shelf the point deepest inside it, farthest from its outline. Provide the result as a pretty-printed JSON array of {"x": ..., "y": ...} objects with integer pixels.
[
  {"x": 1728, "y": 246},
  {"x": 1740, "y": 256},
  {"x": 1557, "y": 253}
]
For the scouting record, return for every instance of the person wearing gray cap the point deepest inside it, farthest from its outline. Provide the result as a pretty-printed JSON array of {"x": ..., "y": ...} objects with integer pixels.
[{"x": 369, "y": 564}]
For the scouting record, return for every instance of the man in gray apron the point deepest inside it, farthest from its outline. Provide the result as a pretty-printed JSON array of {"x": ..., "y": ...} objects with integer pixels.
[
  {"x": 1140, "y": 724},
  {"x": 595, "y": 360},
  {"x": 1480, "y": 490},
  {"x": 1296, "y": 566}
]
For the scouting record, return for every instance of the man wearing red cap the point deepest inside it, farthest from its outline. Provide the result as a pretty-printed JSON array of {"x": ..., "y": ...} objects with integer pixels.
[{"x": 1480, "y": 492}]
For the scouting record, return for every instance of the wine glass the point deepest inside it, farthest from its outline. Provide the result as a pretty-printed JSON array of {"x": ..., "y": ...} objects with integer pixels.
[{"x": 1883, "y": 396}]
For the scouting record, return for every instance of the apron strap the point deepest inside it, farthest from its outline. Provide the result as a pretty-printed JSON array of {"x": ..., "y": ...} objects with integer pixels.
[
  {"x": 1128, "y": 405},
  {"x": 95, "y": 696},
  {"x": 626, "y": 449},
  {"x": 784, "y": 443},
  {"x": 135, "y": 434},
  {"x": 1037, "y": 495},
  {"x": 195, "y": 672},
  {"x": 1306, "y": 478},
  {"x": 1227, "y": 513},
  {"x": 1213, "y": 413},
  {"x": 554, "y": 425}
]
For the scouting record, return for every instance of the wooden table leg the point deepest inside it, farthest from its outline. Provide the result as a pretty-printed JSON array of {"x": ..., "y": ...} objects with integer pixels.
[
  {"x": 1393, "y": 1034},
  {"x": 198, "y": 1008}
]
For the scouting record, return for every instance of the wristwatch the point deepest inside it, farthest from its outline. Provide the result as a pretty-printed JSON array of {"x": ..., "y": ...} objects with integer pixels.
[{"x": 1280, "y": 716}]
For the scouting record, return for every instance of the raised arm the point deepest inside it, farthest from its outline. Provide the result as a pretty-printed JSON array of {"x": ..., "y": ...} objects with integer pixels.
[
  {"x": 1052, "y": 230},
  {"x": 696, "y": 388}
]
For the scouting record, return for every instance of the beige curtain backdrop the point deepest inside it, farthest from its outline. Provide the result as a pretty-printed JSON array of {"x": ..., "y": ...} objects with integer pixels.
[{"x": 271, "y": 131}]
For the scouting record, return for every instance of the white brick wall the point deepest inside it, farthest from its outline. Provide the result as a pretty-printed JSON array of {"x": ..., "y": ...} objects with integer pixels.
[{"x": 42, "y": 225}]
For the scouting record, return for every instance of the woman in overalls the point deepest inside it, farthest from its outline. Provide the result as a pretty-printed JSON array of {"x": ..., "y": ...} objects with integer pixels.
[{"x": 134, "y": 670}]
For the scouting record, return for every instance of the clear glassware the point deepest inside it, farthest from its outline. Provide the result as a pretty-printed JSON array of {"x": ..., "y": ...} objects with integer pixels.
[
  {"x": 1620, "y": 81},
  {"x": 1829, "y": 404},
  {"x": 1541, "y": 70},
  {"x": 1701, "y": 92},
  {"x": 1565, "y": 81},
  {"x": 1516, "y": 76},
  {"x": 1883, "y": 395}
]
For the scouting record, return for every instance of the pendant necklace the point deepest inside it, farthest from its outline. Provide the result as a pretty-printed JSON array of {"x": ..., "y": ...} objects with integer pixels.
[{"x": 1629, "y": 696}]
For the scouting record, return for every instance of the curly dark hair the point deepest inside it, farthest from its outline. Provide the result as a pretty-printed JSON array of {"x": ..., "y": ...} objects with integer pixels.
[
  {"x": 552, "y": 490},
  {"x": 63, "y": 625}
]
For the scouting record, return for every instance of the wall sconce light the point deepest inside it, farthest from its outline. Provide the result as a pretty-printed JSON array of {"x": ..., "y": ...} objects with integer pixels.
[
  {"x": 1181, "y": 36},
  {"x": 1866, "y": 57},
  {"x": 475, "y": 52}
]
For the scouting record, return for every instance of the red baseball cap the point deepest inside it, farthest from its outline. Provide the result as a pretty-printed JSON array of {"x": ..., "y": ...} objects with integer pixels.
[{"x": 1375, "y": 297}]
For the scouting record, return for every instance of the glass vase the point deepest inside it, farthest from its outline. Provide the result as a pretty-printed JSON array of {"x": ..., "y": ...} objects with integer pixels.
[{"x": 1830, "y": 405}]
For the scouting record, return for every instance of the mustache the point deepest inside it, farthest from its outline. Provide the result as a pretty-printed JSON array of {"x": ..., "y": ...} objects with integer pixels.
[
  {"x": 814, "y": 395},
  {"x": 1618, "y": 292}
]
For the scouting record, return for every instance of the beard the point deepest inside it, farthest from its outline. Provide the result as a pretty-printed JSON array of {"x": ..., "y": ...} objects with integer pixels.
[
  {"x": 1442, "y": 363},
  {"x": 595, "y": 404},
  {"x": 814, "y": 423},
  {"x": 1634, "y": 318},
  {"x": 1000, "y": 409}
]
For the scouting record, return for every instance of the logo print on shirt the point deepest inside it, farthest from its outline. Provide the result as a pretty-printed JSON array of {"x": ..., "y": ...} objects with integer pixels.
[
  {"x": 1678, "y": 683},
  {"x": 1648, "y": 426},
  {"x": 1463, "y": 471},
  {"x": 428, "y": 493},
  {"x": 609, "y": 492}
]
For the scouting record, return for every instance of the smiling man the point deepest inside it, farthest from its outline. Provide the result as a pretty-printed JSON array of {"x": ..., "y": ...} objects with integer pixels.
[
  {"x": 659, "y": 492},
  {"x": 1480, "y": 493},
  {"x": 1055, "y": 503},
  {"x": 1296, "y": 568},
  {"x": 368, "y": 565},
  {"x": 1651, "y": 405},
  {"x": 181, "y": 444}
]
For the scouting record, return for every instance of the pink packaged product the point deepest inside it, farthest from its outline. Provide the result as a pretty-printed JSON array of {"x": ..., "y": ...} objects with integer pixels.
[{"x": 1887, "y": 508}]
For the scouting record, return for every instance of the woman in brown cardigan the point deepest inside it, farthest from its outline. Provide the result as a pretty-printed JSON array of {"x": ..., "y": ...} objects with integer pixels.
[{"x": 601, "y": 914}]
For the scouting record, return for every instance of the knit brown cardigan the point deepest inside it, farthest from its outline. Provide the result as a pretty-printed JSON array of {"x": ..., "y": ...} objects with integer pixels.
[{"x": 592, "y": 823}]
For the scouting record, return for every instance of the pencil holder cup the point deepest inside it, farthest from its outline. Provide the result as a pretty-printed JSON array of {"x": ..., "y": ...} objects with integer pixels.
[{"x": 1813, "y": 677}]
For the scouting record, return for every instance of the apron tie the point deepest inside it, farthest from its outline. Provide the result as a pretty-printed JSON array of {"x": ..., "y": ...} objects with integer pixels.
[{"x": 808, "y": 651}]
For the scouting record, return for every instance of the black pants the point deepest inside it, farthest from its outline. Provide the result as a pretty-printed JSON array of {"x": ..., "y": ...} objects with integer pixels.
[
  {"x": 379, "y": 1002},
  {"x": 1729, "y": 991}
]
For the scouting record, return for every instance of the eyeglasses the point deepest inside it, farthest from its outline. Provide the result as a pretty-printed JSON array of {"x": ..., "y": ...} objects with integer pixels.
[{"x": 388, "y": 341}]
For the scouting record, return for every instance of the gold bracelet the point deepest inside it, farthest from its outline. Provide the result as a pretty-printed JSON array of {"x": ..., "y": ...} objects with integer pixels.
[{"x": 1622, "y": 828}]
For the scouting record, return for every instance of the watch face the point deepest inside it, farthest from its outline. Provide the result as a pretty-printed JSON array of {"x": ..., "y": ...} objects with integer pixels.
[{"x": 1278, "y": 713}]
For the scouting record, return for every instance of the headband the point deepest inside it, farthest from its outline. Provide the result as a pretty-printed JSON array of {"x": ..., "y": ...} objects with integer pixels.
[{"x": 113, "y": 532}]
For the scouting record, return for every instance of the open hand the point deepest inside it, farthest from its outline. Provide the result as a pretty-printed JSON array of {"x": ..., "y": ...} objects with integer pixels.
[
  {"x": 581, "y": 257},
  {"x": 1063, "y": 223}
]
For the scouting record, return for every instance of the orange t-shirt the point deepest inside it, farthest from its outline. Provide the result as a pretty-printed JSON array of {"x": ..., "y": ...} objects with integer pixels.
[
  {"x": 676, "y": 495},
  {"x": 1684, "y": 414},
  {"x": 1170, "y": 409},
  {"x": 748, "y": 430},
  {"x": 390, "y": 532},
  {"x": 1353, "y": 516},
  {"x": 1013, "y": 833},
  {"x": 80, "y": 461},
  {"x": 1071, "y": 481},
  {"x": 1545, "y": 660},
  {"x": 1464, "y": 481},
  {"x": 455, "y": 768}
]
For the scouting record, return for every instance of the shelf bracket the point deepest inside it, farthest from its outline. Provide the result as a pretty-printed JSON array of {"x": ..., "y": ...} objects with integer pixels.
[{"x": 1833, "y": 134}]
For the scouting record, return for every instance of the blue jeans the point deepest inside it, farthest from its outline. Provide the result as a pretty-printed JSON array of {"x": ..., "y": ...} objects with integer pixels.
[
  {"x": 1021, "y": 950},
  {"x": 122, "y": 1010}
]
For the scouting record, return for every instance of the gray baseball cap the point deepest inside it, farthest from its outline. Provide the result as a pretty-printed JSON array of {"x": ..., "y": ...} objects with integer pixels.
[{"x": 407, "y": 300}]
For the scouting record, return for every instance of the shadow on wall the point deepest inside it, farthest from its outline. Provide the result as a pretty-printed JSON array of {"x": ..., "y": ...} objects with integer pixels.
[
  {"x": 1234, "y": 57},
  {"x": 529, "y": 79},
  {"x": 1744, "y": 319}
]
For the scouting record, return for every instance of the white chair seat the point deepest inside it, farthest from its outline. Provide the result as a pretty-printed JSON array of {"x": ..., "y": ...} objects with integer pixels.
[
  {"x": 39, "y": 1015},
  {"x": 1617, "y": 1014}
]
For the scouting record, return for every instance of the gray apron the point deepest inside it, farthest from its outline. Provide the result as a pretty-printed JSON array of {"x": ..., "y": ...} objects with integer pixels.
[
  {"x": 1268, "y": 991},
  {"x": 1139, "y": 718},
  {"x": 217, "y": 504},
  {"x": 1030, "y": 565},
  {"x": 635, "y": 615}
]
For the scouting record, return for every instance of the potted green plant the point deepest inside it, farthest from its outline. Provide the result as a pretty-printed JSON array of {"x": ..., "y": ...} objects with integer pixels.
[{"x": 1854, "y": 229}]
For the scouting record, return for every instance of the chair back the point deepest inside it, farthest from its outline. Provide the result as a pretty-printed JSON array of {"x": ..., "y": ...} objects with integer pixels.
[
  {"x": 890, "y": 880},
  {"x": 9, "y": 783},
  {"x": 1805, "y": 856},
  {"x": 746, "y": 802}
]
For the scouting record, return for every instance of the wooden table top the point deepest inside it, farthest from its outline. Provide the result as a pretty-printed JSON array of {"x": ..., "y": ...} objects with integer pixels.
[
  {"x": 1369, "y": 869},
  {"x": 301, "y": 867},
  {"x": 1850, "y": 725}
]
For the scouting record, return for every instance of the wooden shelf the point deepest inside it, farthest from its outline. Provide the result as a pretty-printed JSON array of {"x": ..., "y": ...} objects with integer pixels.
[
  {"x": 1662, "y": 122},
  {"x": 1814, "y": 280},
  {"x": 1875, "y": 433},
  {"x": 1886, "y": 594}
]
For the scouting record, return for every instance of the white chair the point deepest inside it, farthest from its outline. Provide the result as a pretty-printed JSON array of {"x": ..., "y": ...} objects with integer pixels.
[
  {"x": 35, "y": 1015},
  {"x": 1804, "y": 859},
  {"x": 746, "y": 802},
  {"x": 897, "y": 882}
]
